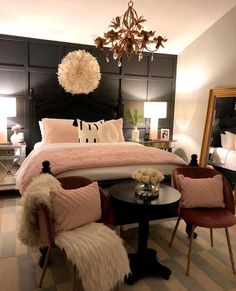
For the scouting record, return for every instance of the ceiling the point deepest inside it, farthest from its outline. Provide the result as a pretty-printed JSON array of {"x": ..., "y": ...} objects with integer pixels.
[{"x": 78, "y": 21}]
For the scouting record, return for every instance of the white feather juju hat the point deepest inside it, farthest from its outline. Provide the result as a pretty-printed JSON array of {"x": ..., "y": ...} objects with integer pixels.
[{"x": 79, "y": 72}]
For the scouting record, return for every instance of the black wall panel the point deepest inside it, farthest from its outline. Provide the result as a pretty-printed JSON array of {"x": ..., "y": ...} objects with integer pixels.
[
  {"x": 106, "y": 67},
  {"x": 28, "y": 70},
  {"x": 134, "y": 89},
  {"x": 12, "y": 81},
  {"x": 135, "y": 68},
  {"x": 44, "y": 83},
  {"x": 164, "y": 66},
  {"x": 12, "y": 52},
  {"x": 37, "y": 53},
  {"x": 160, "y": 90}
]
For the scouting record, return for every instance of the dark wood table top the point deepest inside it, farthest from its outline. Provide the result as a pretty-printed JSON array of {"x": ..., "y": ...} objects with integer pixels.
[{"x": 125, "y": 192}]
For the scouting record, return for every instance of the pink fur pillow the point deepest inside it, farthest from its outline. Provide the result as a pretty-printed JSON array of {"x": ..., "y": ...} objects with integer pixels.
[
  {"x": 203, "y": 192},
  {"x": 75, "y": 207},
  {"x": 59, "y": 130}
]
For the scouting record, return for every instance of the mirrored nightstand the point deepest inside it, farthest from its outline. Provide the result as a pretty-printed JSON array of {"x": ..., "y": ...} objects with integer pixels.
[
  {"x": 160, "y": 144},
  {"x": 11, "y": 157}
]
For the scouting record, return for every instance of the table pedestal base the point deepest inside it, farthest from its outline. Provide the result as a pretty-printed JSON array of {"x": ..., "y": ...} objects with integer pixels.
[{"x": 144, "y": 264}]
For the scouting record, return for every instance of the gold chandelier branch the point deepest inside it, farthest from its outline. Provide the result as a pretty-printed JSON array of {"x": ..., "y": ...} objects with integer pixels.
[{"x": 128, "y": 36}]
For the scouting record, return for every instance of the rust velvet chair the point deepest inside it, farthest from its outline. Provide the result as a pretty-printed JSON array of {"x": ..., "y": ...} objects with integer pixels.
[
  {"x": 208, "y": 217},
  {"x": 46, "y": 229}
]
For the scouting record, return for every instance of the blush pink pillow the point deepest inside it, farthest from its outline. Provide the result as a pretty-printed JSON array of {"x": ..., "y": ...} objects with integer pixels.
[
  {"x": 75, "y": 207},
  {"x": 203, "y": 192},
  {"x": 59, "y": 131},
  {"x": 118, "y": 123}
]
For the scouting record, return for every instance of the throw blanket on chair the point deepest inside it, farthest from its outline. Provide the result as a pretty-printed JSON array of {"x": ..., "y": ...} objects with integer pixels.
[{"x": 96, "y": 250}]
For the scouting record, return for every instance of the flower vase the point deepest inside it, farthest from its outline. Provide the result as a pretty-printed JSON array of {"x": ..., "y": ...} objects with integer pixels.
[
  {"x": 148, "y": 191},
  {"x": 135, "y": 134}
]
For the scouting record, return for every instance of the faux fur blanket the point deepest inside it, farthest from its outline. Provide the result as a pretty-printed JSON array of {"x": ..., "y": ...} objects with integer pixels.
[
  {"x": 96, "y": 250},
  {"x": 36, "y": 193},
  {"x": 98, "y": 253}
]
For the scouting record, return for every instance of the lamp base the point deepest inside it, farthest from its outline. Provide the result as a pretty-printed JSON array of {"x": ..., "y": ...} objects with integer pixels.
[
  {"x": 3, "y": 130},
  {"x": 153, "y": 129}
]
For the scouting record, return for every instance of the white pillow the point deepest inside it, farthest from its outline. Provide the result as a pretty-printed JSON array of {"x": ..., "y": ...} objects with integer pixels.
[
  {"x": 41, "y": 130},
  {"x": 229, "y": 140},
  {"x": 223, "y": 140},
  {"x": 108, "y": 133},
  {"x": 88, "y": 131}
]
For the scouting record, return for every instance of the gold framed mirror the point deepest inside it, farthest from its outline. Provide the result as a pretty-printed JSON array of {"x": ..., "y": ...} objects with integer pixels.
[{"x": 214, "y": 94}]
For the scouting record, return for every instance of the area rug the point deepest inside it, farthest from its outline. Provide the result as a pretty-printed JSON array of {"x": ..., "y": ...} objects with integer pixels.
[{"x": 210, "y": 267}]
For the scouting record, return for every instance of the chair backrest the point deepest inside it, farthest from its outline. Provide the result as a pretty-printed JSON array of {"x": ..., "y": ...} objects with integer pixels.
[
  {"x": 46, "y": 229},
  {"x": 200, "y": 172}
]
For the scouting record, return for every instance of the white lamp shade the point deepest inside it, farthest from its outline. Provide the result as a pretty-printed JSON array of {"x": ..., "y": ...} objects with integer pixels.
[
  {"x": 8, "y": 106},
  {"x": 7, "y": 109},
  {"x": 155, "y": 109}
]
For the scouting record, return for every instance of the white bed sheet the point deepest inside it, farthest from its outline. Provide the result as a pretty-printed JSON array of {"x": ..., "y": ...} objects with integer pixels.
[
  {"x": 224, "y": 158},
  {"x": 114, "y": 173}
]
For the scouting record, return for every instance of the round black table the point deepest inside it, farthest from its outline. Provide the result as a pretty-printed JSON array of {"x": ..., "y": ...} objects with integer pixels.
[{"x": 144, "y": 262}]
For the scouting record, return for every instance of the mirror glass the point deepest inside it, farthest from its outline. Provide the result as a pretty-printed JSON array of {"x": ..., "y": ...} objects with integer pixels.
[{"x": 219, "y": 138}]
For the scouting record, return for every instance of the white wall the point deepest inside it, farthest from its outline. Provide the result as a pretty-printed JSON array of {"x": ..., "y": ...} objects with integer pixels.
[{"x": 209, "y": 62}]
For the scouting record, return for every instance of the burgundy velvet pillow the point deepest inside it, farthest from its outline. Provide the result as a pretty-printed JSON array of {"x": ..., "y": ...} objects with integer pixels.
[{"x": 203, "y": 192}]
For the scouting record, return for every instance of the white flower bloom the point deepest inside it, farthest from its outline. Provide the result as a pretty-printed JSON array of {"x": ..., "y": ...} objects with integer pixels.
[
  {"x": 148, "y": 175},
  {"x": 146, "y": 179}
]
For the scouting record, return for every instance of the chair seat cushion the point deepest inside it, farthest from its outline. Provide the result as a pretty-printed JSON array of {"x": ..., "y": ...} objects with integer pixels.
[
  {"x": 203, "y": 192},
  {"x": 210, "y": 218}
]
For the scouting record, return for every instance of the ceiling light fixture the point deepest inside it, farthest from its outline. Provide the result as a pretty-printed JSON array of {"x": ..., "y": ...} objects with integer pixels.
[{"x": 128, "y": 36}]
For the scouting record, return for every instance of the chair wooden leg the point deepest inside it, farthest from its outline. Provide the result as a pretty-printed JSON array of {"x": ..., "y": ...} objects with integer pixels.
[
  {"x": 230, "y": 248},
  {"x": 45, "y": 267},
  {"x": 190, "y": 249},
  {"x": 74, "y": 278},
  {"x": 174, "y": 232},
  {"x": 211, "y": 234}
]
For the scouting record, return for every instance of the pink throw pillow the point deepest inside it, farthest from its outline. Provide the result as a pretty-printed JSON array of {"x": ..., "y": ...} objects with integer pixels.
[
  {"x": 59, "y": 131},
  {"x": 118, "y": 123},
  {"x": 203, "y": 192},
  {"x": 75, "y": 207}
]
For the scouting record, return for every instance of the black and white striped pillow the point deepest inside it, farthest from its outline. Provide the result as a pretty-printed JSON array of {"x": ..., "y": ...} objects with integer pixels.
[{"x": 88, "y": 131}]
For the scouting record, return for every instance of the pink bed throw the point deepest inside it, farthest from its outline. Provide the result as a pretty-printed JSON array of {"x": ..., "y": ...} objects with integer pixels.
[{"x": 74, "y": 156}]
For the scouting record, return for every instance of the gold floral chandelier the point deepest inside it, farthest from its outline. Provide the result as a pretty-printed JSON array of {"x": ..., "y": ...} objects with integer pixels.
[{"x": 128, "y": 36}]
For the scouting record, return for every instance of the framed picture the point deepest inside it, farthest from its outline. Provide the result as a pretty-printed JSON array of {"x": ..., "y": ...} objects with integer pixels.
[{"x": 165, "y": 134}]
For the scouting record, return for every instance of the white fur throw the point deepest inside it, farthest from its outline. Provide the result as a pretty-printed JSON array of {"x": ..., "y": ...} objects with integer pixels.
[
  {"x": 98, "y": 253},
  {"x": 35, "y": 194},
  {"x": 96, "y": 250}
]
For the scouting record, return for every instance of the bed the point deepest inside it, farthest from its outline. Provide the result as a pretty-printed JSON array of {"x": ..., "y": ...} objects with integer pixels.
[
  {"x": 97, "y": 161},
  {"x": 87, "y": 139}
]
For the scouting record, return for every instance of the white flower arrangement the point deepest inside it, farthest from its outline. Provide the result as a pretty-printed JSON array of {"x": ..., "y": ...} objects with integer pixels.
[
  {"x": 79, "y": 72},
  {"x": 16, "y": 128},
  {"x": 148, "y": 176}
]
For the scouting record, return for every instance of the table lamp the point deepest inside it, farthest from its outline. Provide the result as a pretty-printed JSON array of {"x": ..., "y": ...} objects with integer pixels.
[
  {"x": 154, "y": 110},
  {"x": 7, "y": 109}
]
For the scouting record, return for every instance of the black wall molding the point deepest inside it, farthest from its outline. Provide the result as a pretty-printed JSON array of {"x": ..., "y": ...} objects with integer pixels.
[{"x": 28, "y": 70}]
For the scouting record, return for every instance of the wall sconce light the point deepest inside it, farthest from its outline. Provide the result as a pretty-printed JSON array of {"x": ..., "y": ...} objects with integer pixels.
[
  {"x": 154, "y": 110},
  {"x": 7, "y": 109}
]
